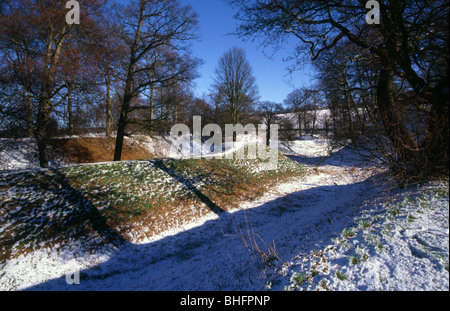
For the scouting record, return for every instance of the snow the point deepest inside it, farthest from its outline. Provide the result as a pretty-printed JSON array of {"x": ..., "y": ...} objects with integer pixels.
[
  {"x": 16, "y": 154},
  {"x": 339, "y": 228},
  {"x": 320, "y": 118},
  {"x": 405, "y": 251}
]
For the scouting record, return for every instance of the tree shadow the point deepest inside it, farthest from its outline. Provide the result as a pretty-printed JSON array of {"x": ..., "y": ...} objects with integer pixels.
[
  {"x": 57, "y": 214},
  {"x": 97, "y": 221},
  {"x": 203, "y": 257},
  {"x": 189, "y": 184}
]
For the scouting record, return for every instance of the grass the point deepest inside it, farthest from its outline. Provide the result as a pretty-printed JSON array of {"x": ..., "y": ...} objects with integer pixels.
[
  {"x": 348, "y": 233},
  {"x": 355, "y": 260},
  {"x": 138, "y": 199},
  {"x": 370, "y": 237},
  {"x": 341, "y": 275},
  {"x": 299, "y": 278},
  {"x": 394, "y": 211},
  {"x": 161, "y": 187},
  {"x": 364, "y": 224},
  {"x": 95, "y": 149},
  {"x": 411, "y": 218},
  {"x": 324, "y": 285}
]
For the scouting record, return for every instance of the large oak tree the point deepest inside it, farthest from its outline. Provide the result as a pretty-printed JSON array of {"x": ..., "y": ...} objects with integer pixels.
[{"x": 410, "y": 43}]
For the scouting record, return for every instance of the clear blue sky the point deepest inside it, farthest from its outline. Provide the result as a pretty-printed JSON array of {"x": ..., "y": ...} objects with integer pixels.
[
  {"x": 216, "y": 25},
  {"x": 216, "y": 21}
]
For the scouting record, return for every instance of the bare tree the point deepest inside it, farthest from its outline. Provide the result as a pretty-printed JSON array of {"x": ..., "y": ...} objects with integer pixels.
[
  {"x": 234, "y": 83},
  {"x": 146, "y": 26},
  {"x": 411, "y": 43},
  {"x": 39, "y": 32},
  {"x": 299, "y": 101},
  {"x": 269, "y": 111},
  {"x": 107, "y": 54}
]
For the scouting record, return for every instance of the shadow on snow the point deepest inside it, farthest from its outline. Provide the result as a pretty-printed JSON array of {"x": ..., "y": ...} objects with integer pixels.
[{"x": 212, "y": 257}]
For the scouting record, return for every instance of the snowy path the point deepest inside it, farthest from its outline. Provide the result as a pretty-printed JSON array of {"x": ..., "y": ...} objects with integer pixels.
[
  {"x": 296, "y": 216},
  {"x": 300, "y": 219}
]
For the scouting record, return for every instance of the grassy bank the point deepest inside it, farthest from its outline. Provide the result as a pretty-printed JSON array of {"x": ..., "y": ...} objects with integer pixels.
[{"x": 102, "y": 203}]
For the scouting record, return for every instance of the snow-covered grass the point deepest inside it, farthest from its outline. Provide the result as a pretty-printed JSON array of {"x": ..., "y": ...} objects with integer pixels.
[
  {"x": 146, "y": 198},
  {"x": 65, "y": 209},
  {"x": 400, "y": 243},
  {"x": 308, "y": 146},
  {"x": 337, "y": 228},
  {"x": 39, "y": 210},
  {"x": 22, "y": 154}
]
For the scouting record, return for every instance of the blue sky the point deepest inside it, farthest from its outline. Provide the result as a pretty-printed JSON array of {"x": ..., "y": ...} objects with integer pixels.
[
  {"x": 216, "y": 25},
  {"x": 216, "y": 21}
]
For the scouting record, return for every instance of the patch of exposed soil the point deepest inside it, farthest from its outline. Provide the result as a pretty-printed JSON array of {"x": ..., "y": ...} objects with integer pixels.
[{"x": 96, "y": 149}]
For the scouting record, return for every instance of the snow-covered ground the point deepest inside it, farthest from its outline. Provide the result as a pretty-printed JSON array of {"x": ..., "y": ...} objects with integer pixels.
[
  {"x": 17, "y": 154},
  {"x": 21, "y": 154},
  {"x": 339, "y": 228}
]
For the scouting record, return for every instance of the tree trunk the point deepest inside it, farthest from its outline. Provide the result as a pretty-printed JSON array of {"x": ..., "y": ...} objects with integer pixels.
[
  {"x": 299, "y": 117},
  {"x": 128, "y": 93},
  {"x": 47, "y": 88},
  {"x": 70, "y": 107},
  {"x": 29, "y": 113},
  {"x": 42, "y": 121},
  {"x": 269, "y": 121},
  {"x": 124, "y": 109},
  {"x": 314, "y": 118},
  {"x": 120, "y": 135},
  {"x": 348, "y": 115},
  {"x": 108, "y": 112},
  {"x": 152, "y": 107},
  {"x": 408, "y": 160},
  {"x": 305, "y": 121}
]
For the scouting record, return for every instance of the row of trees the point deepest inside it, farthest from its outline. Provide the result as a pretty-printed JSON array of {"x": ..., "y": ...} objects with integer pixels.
[
  {"x": 129, "y": 68},
  {"x": 387, "y": 81},
  {"x": 122, "y": 67}
]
